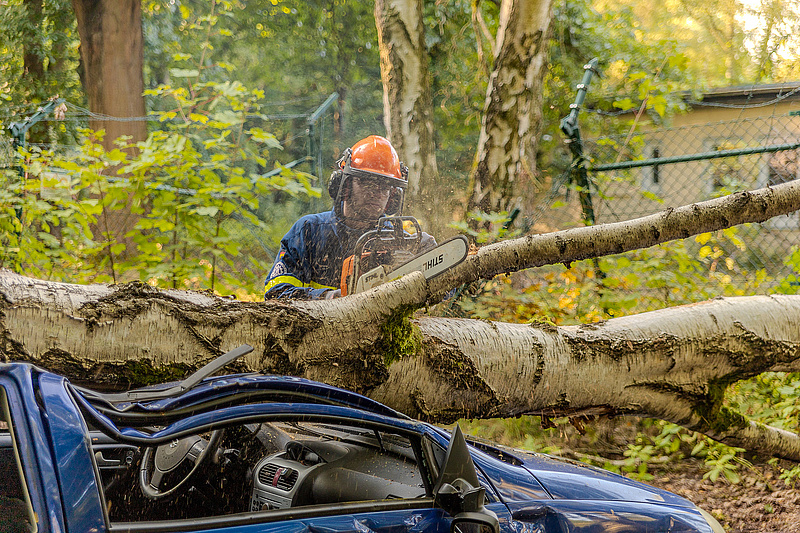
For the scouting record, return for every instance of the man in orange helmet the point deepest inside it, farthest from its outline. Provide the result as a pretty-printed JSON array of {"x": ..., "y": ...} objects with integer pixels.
[{"x": 368, "y": 183}]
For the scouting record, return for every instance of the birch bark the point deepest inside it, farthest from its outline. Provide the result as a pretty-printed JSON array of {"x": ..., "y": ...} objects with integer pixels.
[
  {"x": 407, "y": 100},
  {"x": 512, "y": 113}
]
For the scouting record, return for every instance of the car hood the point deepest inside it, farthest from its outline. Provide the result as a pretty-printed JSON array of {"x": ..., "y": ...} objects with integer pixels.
[{"x": 566, "y": 479}]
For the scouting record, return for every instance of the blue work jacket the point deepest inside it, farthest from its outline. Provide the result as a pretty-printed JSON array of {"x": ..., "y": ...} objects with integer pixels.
[{"x": 309, "y": 262}]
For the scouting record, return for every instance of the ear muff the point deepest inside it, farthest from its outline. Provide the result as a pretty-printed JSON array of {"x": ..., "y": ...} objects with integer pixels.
[
  {"x": 337, "y": 177},
  {"x": 334, "y": 183},
  {"x": 394, "y": 206}
]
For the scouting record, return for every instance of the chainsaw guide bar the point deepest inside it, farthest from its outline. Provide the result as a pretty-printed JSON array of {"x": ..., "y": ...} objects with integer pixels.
[{"x": 431, "y": 263}]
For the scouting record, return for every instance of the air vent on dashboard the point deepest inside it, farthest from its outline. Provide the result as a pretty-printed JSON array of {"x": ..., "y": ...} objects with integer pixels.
[{"x": 280, "y": 477}]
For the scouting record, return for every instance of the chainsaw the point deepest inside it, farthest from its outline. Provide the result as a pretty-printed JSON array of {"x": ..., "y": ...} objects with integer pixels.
[{"x": 392, "y": 250}]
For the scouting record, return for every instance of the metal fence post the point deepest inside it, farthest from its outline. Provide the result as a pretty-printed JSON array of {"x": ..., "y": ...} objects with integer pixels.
[
  {"x": 18, "y": 132},
  {"x": 571, "y": 128}
]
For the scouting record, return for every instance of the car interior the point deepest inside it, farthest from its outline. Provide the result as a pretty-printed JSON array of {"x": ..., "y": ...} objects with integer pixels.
[{"x": 259, "y": 467}]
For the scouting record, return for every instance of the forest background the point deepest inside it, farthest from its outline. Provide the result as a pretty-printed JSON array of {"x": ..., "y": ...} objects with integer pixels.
[{"x": 230, "y": 88}]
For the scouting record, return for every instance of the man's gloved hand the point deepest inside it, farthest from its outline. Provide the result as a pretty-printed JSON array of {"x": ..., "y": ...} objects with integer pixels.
[
  {"x": 330, "y": 295},
  {"x": 426, "y": 242}
]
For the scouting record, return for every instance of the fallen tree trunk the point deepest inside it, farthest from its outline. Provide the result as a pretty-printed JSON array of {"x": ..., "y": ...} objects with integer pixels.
[{"x": 672, "y": 364}]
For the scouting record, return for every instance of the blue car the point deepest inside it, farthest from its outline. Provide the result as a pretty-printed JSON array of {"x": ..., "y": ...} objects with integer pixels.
[{"x": 254, "y": 453}]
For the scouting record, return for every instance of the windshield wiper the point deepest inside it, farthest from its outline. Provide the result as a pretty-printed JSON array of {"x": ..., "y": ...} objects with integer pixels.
[{"x": 150, "y": 394}]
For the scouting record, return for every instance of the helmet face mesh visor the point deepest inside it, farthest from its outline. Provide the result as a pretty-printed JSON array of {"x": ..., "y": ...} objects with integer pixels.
[{"x": 389, "y": 181}]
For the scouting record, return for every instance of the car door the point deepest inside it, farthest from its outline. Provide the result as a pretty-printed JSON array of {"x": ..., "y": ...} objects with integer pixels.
[{"x": 31, "y": 496}]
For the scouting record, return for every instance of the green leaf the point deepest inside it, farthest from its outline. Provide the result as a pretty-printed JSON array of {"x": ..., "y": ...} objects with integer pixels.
[
  {"x": 624, "y": 104},
  {"x": 732, "y": 476},
  {"x": 651, "y": 196},
  {"x": 117, "y": 248},
  {"x": 184, "y": 73},
  {"x": 197, "y": 117},
  {"x": 698, "y": 448},
  {"x": 227, "y": 117},
  {"x": 208, "y": 211},
  {"x": 703, "y": 238},
  {"x": 261, "y": 136},
  {"x": 167, "y": 116}
]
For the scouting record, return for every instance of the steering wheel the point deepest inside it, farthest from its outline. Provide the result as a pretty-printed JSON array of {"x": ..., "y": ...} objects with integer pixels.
[{"x": 167, "y": 458}]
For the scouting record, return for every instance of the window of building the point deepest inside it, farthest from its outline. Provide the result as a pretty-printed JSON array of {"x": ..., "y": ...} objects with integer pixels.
[{"x": 651, "y": 176}]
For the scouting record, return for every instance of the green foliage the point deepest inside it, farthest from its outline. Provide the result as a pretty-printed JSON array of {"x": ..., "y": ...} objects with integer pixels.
[
  {"x": 670, "y": 274},
  {"x": 192, "y": 187},
  {"x": 458, "y": 87},
  {"x": 297, "y": 53},
  {"x": 524, "y": 432},
  {"x": 53, "y": 225},
  {"x": 637, "y": 457},
  {"x": 722, "y": 460},
  {"x": 38, "y": 61},
  {"x": 789, "y": 476},
  {"x": 770, "y": 398},
  {"x": 672, "y": 444},
  {"x": 493, "y": 227},
  {"x": 791, "y": 283}
]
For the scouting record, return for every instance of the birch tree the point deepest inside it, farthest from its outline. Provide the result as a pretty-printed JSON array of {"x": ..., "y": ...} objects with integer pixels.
[
  {"x": 672, "y": 364},
  {"x": 506, "y": 155},
  {"x": 407, "y": 101}
]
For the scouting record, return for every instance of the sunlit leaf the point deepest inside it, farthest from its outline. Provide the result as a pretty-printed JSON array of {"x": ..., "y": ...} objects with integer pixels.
[{"x": 184, "y": 73}]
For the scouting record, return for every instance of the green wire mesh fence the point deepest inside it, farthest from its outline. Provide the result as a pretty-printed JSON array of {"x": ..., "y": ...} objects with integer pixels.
[
  {"x": 637, "y": 174},
  {"x": 302, "y": 127}
]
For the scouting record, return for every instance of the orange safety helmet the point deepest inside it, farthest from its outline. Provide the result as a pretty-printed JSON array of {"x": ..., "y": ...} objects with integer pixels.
[{"x": 374, "y": 158}]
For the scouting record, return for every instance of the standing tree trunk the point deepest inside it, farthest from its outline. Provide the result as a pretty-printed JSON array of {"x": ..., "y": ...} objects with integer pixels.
[
  {"x": 407, "y": 101},
  {"x": 512, "y": 113},
  {"x": 112, "y": 54},
  {"x": 33, "y": 51}
]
